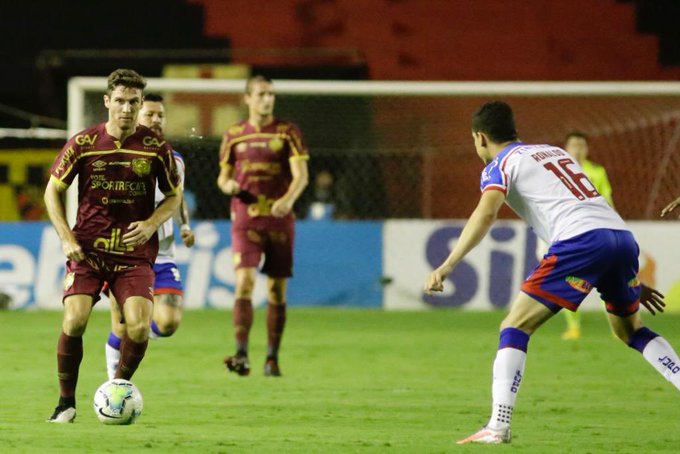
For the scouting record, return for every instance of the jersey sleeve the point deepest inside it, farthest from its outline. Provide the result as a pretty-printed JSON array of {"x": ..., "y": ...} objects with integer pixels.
[
  {"x": 67, "y": 163},
  {"x": 296, "y": 144},
  {"x": 494, "y": 177},
  {"x": 181, "y": 168},
  {"x": 168, "y": 175}
]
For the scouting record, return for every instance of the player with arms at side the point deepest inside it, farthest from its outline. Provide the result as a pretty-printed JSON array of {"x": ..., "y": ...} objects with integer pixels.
[
  {"x": 576, "y": 144},
  {"x": 590, "y": 247},
  {"x": 263, "y": 166},
  {"x": 168, "y": 292},
  {"x": 114, "y": 238}
]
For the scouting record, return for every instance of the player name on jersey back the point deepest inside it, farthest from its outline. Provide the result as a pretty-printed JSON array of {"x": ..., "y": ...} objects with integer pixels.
[{"x": 547, "y": 188}]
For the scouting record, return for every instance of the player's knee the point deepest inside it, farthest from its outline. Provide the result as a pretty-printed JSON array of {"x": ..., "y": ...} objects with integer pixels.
[
  {"x": 74, "y": 324},
  {"x": 244, "y": 287},
  {"x": 168, "y": 326},
  {"x": 138, "y": 331}
]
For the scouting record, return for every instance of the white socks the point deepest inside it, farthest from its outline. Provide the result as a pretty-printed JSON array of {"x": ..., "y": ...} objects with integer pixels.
[
  {"x": 660, "y": 354},
  {"x": 508, "y": 370},
  {"x": 112, "y": 360}
]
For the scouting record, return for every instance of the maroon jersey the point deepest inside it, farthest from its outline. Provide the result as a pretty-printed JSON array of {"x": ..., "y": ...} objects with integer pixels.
[
  {"x": 116, "y": 186},
  {"x": 260, "y": 158}
]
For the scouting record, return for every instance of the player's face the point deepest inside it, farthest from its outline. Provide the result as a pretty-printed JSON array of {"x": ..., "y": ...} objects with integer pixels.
[
  {"x": 261, "y": 99},
  {"x": 480, "y": 147},
  {"x": 577, "y": 147},
  {"x": 152, "y": 115},
  {"x": 123, "y": 105}
]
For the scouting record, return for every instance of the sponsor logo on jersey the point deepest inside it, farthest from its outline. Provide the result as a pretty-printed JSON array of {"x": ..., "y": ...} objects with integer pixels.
[
  {"x": 276, "y": 144},
  {"x": 579, "y": 284},
  {"x": 114, "y": 244},
  {"x": 86, "y": 139},
  {"x": 151, "y": 141},
  {"x": 68, "y": 154},
  {"x": 269, "y": 167},
  {"x": 133, "y": 188},
  {"x": 263, "y": 207},
  {"x": 98, "y": 165},
  {"x": 69, "y": 279},
  {"x": 241, "y": 147},
  {"x": 141, "y": 166}
]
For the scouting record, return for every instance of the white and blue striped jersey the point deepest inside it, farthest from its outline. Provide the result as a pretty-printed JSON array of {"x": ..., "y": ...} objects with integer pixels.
[
  {"x": 547, "y": 188},
  {"x": 166, "y": 233}
]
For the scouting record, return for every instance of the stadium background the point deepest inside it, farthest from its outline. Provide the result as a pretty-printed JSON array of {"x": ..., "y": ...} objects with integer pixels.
[{"x": 390, "y": 158}]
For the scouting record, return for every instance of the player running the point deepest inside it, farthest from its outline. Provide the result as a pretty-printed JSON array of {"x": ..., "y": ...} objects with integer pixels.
[
  {"x": 114, "y": 238},
  {"x": 590, "y": 247},
  {"x": 168, "y": 292},
  {"x": 263, "y": 165}
]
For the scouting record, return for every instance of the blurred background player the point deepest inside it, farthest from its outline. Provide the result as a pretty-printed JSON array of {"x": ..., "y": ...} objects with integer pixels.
[
  {"x": 263, "y": 166},
  {"x": 114, "y": 238},
  {"x": 576, "y": 144},
  {"x": 168, "y": 292},
  {"x": 590, "y": 247}
]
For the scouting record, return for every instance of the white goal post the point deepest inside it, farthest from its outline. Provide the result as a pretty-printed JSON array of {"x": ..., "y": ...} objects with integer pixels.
[{"x": 590, "y": 99}]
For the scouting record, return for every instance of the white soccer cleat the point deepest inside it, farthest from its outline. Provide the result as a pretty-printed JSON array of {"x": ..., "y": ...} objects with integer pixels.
[
  {"x": 63, "y": 415},
  {"x": 488, "y": 436}
]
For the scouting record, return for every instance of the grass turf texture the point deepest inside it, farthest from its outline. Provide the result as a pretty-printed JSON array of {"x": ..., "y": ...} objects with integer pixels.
[{"x": 354, "y": 381}]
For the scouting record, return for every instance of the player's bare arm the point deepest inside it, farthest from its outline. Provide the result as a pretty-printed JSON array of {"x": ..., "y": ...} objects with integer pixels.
[
  {"x": 139, "y": 232},
  {"x": 476, "y": 228},
  {"x": 182, "y": 218},
  {"x": 226, "y": 182},
  {"x": 54, "y": 202},
  {"x": 300, "y": 173},
  {"x": 670, "y": 207}
]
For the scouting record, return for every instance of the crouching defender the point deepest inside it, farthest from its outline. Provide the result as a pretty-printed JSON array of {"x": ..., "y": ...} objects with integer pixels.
[{"x": 590, "y": 247}]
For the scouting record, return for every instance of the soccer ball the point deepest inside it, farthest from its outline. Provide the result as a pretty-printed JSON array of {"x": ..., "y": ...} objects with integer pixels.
[{"x": 118, "y": 402}]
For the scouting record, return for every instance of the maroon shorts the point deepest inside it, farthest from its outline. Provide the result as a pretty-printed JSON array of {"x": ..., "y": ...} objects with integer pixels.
[
  {"x": 249, "y": 243},
  {"x": 84, "y": 278}
]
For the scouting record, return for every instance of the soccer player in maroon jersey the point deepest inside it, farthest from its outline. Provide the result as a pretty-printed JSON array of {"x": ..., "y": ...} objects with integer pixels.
[
  {"x": 263, "y": 166},
  {"x": 114, "y": 239}
]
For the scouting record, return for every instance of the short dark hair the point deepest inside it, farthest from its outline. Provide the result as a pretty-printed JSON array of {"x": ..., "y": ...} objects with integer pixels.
[
  {"x": 152, "y": 97},
  {"x": 126, "y": 78},
  {"x": 577, "y": 135},
  {"x": 256, "y": 78},
  {"x": 495, "y": 119}
]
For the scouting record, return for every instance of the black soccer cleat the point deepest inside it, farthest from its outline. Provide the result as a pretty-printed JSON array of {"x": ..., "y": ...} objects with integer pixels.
[
  {"x": 238, "y": 364},
  {"x": 271, "y": 368},
  {"x": 63, "y": 415}
]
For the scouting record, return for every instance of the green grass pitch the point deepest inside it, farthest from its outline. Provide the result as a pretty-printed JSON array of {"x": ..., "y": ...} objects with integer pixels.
[{"x": 354, "y": 381}]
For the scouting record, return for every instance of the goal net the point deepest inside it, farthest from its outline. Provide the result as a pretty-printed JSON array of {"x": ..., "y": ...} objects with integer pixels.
[{"x": 403, "y": 149}]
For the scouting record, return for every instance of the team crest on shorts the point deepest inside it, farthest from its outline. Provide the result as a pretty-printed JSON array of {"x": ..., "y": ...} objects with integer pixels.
[
  {"x": 579, "y": 284},
  {"x": 69, "y": 279},
  {"x": 141, "y": 166}
]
